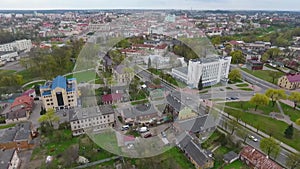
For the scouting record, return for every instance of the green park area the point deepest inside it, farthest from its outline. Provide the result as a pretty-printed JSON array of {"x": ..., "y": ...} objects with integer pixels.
[
  {"x": 291, "y": 112},
  {"x": 264, "y": 74},
  {"x": 84, "y": 76},
  {"x": 247, "y": 106},
  {"x": 266, "y": 124}
]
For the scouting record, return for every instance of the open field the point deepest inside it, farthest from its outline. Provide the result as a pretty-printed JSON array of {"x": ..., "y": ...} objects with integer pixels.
[{"x": 263, "y": 74}]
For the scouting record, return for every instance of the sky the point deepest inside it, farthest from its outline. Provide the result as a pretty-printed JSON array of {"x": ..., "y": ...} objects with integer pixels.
[{"x": 293, "y": 5}]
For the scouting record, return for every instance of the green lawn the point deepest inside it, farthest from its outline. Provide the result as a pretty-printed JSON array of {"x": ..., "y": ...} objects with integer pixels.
[
  {"x": 83, "y": 76},
  {"x": 238, "y": 164},
  {"x": 268, "y": 125},
  {"x": 246, "y": 89},
  {"x": 6, "y": 72},
  {"x": 229, "y": 88},
  {"x": 172, "y": 158},
  {"x": 262, "y": 74},
  {"x": 290, "y": 111},
  {"x": 247, "y": 106},
  {"x": 242, "y": 85},
  {"x": 6, "y": 126},
  {"x": 108, "y": 141}
]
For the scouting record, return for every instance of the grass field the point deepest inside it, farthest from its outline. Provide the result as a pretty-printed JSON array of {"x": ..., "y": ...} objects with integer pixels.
[
  {"x": 263, "y": 74},
  {"x": 83, "y": 76},
  {"x": 6, "y": 126},
  {"x": 245, "y": 89},
  {"x": 247, "y": 106},
  {"x": 238, "y": 164},
  {"x": 242, "y": 85},
  {"x": 6, "y": 72},
  {"x": 268, "y": 125}
]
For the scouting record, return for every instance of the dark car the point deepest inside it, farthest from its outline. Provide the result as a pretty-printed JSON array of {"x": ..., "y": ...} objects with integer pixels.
[{"x": 147, "y": 135}]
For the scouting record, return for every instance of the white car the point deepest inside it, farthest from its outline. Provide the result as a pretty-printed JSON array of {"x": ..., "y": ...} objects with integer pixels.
[{"x": 255, "y": 140}]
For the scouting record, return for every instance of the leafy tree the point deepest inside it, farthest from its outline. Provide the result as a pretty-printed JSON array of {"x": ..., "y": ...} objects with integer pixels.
[
  {"x": 295, "y": 97},
  {"x": 293, "y": 161},
  {"x": 243, "y": 133},
  {"x": 271, "y": 54},
  {"x": 156, "y": 81},
  {"x": 270, "y": 146},
  {"x": 234, "y": 75},
  {"x": 49, "y": 117},
  {"x": 275, "y": 95},
  {"x": 289, "y": 132},
  {"x": 298, "y": 122},
  {"x": 259, "y": 100},
  {"x": 274, "y": 75},
  {"x": 200, "y": 83},
  {"x": 237, "y": 57},
  {"x": 233, "y": 125}
]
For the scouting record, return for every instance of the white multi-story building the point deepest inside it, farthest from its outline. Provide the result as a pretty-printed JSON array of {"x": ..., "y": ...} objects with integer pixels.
[
  {"x": 92, "y": 118},
  {"x": 213, "y": 70},
  {"x": 19, "y": 45}
]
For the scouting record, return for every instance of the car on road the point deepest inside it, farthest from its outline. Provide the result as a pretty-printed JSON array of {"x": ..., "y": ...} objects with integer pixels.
[{"x": 253, "y": 138}]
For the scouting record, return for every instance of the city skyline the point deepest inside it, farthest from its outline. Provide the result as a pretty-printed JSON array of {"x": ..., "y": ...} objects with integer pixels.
[{"x": 290, "y": 5}]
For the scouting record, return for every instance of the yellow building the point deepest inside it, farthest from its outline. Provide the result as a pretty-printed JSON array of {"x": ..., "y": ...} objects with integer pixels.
[
  {"x": 290, "y": 82},
  {"x": 61, "y": 93}
]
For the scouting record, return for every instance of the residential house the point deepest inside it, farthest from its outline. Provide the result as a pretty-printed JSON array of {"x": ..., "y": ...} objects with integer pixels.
[
  {"x": 202, "y": 159},
  {"x": 112, "y": 98},
  {"x": 290, "y": 81},
  {"x": 61, "y": 93},
  {"x": 254, "y": 65},
  {"x": 92, "y": 118},
  {"x": 139, "y": 114},
  {"x": 20, "y": 109},
  {"x": 9, "y": 159},
  {"x": 17, "y": 137},
  {"x": 123, "y": 74},
  {"x": 255, "y": 159}
]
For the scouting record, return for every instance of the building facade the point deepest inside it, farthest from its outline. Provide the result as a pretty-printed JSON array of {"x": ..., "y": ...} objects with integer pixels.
[
  {"x": 289, "y": 82},
  {"x": 213, "y": 70},
  {"x": 61, "y": 93},
  {"x": 19, "y": 45},
  {"x": 92, "y": 118}
]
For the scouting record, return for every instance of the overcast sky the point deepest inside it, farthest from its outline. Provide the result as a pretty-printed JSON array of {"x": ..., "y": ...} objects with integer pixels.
[{"x": 153, "y": 4}]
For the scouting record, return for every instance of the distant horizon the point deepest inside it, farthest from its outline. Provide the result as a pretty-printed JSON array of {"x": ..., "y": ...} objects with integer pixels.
[
  {"x": 154, "y": 9},
  {"x": 230, "y": 5}
]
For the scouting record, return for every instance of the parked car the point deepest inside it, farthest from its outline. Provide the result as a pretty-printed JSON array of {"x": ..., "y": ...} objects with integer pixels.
[
  {"x": 163, "y": 134},
  {"x": 126, "y": 127},
  {"x": 143, "y": 129},
  {"x": 147, "y": 135}
]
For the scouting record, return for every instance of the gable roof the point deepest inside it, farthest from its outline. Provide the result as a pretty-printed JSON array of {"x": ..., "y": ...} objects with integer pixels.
[
  {"x": 258, "y": 159},
  {"x": 6, "y": 157},
  {"x": 24, "y": 100},
  {"x": 293, "y": 77},
  {"x": 197, "y": 154}
]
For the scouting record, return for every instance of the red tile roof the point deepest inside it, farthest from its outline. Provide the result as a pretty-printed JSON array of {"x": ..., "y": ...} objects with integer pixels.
[
  {"x": 162, "y": 46},
  {"x": 24, "y": 100},
  {"x": 111, "y": 97},
  {"x": 258, "y": 159}
]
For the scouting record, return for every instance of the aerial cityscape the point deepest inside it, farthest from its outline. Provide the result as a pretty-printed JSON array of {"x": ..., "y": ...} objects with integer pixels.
[{"x": 150, "y": 85}]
